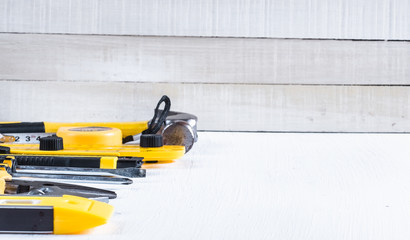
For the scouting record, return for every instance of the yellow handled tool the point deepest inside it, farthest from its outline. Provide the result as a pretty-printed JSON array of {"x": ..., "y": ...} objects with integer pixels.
[
  {"x": 10, "y": 166},
  {"x": 32, "y": 187},
  {"x": 98, "y": 141},
  {"x": 58, "y": 215},
  {"x": 159, "y": 154},
  {"x": 177, "y": 128},
  {"x": 73, "y": 161},
  {"x": 127, "y": 128}
]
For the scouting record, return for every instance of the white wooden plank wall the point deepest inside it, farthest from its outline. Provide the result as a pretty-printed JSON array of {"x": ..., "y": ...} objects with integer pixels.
[
  {"x": 202, "y": 60},
  {"x": 237, "y": 84},
  {"x": 234, "y": 107},
  {"x": 334, "y": 19}
]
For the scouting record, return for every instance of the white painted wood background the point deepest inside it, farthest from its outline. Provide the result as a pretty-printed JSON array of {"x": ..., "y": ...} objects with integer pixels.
[
  {"x": 220, "y": 107},
  {"x": 234, "y": 84},
  {"x": 270, "y": 186},
  {"x": 334, "y": 19},
  {"x": 231, "y": 84},
  {"x": 91, "y": 60},
  {"x": 202, "y": 60}
]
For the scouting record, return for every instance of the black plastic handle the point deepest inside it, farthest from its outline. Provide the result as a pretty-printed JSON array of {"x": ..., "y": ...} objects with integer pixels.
[
  {"x": 22, "y": 127},
  {"x": 55, "y": 161},
  {"x": 73, "y": 161}
]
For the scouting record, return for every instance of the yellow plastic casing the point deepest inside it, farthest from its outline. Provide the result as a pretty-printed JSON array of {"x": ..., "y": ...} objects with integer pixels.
[
  {"x": 8, "y": 160},
  {"x": 165, "y": 153},
  {"x": 108, "y": 162},
  {"x": 127, "y": 128},
  {"x": 100, "y": 141},
  {"x": 90, "y": 137},
  {"x": 71, "y": 214},
  {"x": 4, "y": 176},
  {"x": 2, "y": 185}
]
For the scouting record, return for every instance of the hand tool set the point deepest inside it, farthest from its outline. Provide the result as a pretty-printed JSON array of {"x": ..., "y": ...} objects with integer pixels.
[{"x": 41, "y": 164}]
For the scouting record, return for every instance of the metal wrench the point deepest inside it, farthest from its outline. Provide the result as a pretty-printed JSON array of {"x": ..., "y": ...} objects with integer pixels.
[{"x": 179, "y": 129}]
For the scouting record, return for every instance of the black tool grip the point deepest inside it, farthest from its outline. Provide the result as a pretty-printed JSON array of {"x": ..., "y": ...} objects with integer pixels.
[
  {"x": 74, "y": 161},
  {"x": 23, "y": 127},
  {"x": 55, "y": 161},
  {"x": 126, "y": 162}
]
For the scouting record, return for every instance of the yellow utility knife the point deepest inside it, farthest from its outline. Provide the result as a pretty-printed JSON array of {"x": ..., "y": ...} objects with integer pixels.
[
  {"x": 58, "y": 215},
  {"x": 64, "y": 214}
]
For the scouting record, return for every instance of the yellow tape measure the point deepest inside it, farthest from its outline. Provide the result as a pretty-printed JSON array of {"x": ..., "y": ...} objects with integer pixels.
[
  {"x": 84, "y": 137},
  {"x": 98, "y": 141}
]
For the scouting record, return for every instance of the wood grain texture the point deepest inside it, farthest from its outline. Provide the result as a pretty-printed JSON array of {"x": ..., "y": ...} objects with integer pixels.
[
  {"x": 202, "y": 60},
  {"x": 231, "y": 107},
  {"x": 270, "y": 186},
  {"x": 347, "y": 19}
]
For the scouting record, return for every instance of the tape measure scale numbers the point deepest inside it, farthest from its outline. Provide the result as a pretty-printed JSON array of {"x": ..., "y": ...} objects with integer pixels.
[
  {"x": 76, "y": 135},
  {"x": 28, "y": 137}
]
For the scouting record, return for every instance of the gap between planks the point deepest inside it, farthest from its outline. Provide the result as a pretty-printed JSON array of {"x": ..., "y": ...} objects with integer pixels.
[{"x": 219, "y": 107}]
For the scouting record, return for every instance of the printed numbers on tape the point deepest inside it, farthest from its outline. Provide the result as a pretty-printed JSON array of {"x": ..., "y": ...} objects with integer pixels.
[{"x": 28, "y": 137}]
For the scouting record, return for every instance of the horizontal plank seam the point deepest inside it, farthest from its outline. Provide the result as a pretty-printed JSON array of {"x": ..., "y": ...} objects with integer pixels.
[
  {"x": 183, "y": 36},
  {"x": 206, "y": 83}
]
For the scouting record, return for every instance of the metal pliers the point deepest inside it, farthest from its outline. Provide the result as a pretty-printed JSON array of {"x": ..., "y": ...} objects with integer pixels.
[
  {"x": 8, "y": 185},
  {"x": 48, "y": 188}
]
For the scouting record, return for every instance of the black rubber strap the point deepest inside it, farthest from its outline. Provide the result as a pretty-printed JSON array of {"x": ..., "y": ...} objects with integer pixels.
[
  {"x": 159, "y": 116},
  {"x": 157, "y": 121}
]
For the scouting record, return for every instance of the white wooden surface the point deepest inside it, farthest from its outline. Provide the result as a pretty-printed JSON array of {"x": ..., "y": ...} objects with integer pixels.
[
  {"x": 233, "y": 107},
  {"x": 343, "y": 19},
  {"x": 270, "y": 186},
  {"x": 202, "y": 60}
]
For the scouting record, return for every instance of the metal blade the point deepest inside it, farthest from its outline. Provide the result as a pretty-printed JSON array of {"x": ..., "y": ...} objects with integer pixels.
[
  {"x": 131, "y": 172},
  {"x": 71, "y": 177}
]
